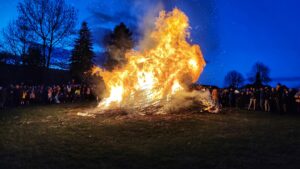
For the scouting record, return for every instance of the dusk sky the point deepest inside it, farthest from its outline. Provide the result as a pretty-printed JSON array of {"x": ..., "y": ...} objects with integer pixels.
[{"x": 233, "y": 34}]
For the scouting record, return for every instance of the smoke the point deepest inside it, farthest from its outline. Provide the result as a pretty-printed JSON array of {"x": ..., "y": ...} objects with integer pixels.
[
  {"x": 198, "y": 99},
  {"x": 149, "y": 11}
]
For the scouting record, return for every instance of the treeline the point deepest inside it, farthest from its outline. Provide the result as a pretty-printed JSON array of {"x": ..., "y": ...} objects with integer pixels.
[
  {"x": 259, "y": 76},
  {"x": 18, "y": 74}
]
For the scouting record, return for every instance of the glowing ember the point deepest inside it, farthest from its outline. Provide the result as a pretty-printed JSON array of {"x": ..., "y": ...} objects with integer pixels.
[{"x": 153, "y": 76}]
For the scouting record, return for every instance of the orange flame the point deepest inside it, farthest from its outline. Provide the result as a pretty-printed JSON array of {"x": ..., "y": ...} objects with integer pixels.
[{"x": 154, "y": 75}]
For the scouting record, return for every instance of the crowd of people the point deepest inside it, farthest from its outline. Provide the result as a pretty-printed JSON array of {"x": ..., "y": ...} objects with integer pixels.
[
  {"x": 278, "y": 100},
  {"x": 21, "y": 95}
]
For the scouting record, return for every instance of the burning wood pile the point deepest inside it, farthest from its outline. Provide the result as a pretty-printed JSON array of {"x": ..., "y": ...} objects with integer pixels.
[{"x": 155, "y": 78}]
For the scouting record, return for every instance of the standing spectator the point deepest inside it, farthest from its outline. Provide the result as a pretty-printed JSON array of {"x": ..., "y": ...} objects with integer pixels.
[
  {"x": 23, "y": 96},
  {"x": 88, "y": 93},
  {"x": 2, "y": 97},
  {"x": 40, "y": 94},
  {"x": 273, "y": 99},
  {"x": 77, "y": 93},
  {"x": 231, "y": 98},
  {"x": 267, "y": 100},
  {"x": 297, "y": 97},
  {"x": 284, "y": 100},
  {"x": 247, "y": 98},
  {"x": 252, "y": 99},
  {"x": 256, "y": 95},
  {"x": 50, "y": 97},
  {"x": 10, "y": 95},
  {"x": 27, "y": 99},
  {"x": 69, "y": 93},
  {"x": 32, "y": 96},
  {"x": 243, "y": 100},
  {"x": 292, "y": 101},
  {"x": 17, "y": 95},
  {"x": 261, "y": 99},
  {"x": 224, "y": 98},
  {"x": 278, "y": 95},
  {"x": 57, "y": 90},
  {"x": 215, "y": 97},
  {"x": 238, "y": 98}
]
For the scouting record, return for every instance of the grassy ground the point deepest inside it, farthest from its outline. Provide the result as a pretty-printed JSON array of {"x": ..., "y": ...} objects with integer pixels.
[{"x": 55, "y": 137}]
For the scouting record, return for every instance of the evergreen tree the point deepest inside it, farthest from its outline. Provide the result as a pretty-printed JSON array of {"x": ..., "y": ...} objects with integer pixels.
[
  {"x": 116, "y": 44},
  {"x": 82, "y": 54}
]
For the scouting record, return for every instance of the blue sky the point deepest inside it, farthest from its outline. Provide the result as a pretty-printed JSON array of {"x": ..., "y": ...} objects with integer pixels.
[{"x": 233, "y": 34}]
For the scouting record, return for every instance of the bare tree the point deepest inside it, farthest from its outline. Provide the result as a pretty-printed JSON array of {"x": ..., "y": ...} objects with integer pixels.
[
  {"x": 234, "y": 79},
  {"x": 52, "y": 21},
  {"x": 260, "y": 74},
  {"x": 17, "y": 37}
]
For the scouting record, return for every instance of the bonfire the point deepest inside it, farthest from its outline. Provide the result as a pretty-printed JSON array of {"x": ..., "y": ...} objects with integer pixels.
[{"x": 159, "y": 75}]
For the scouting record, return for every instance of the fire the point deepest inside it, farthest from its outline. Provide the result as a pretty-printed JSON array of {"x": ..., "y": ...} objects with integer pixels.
[{"x": 152, "y": 76}]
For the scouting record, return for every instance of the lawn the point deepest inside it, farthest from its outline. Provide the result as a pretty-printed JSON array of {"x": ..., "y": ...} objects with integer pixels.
[{"x": 55, "y": 137}]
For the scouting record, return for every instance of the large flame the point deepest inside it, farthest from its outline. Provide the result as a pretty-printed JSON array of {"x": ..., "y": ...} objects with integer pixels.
[{"x": 153, "y": 76}]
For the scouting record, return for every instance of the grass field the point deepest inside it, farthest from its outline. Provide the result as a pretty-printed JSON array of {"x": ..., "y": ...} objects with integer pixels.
[{"x": 54, "y": 137}]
